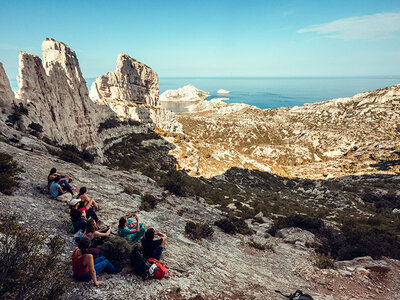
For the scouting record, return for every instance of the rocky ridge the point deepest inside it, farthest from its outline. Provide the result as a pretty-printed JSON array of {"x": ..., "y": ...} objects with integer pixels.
[
  {"x": 132, "y": 92},
  {"x": 331, "y": 138},
  {"x": 187, "y": 93}
]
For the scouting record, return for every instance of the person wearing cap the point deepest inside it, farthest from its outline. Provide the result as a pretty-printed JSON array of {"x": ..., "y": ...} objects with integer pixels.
[
  {"x": 57, "y": 192},
  {"x": 85, "y": 267}
]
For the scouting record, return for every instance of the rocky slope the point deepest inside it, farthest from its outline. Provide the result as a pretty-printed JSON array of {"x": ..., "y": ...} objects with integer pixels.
[
  {"x": 224, "y": 266},
  {"x": 6, "y": 93},
  {"x": 332, "y": 138},
  {"x": 132, "y": 92},
  {"x": 187, "y": 93}
]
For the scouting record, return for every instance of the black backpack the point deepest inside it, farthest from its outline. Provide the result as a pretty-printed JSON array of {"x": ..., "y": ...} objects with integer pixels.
[
  {"x": 297, "y": 295},
  {"x": 140, "y": 265}
]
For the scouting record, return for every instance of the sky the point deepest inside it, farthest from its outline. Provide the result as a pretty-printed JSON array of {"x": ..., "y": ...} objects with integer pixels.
[{"x": 212, "y": 38}]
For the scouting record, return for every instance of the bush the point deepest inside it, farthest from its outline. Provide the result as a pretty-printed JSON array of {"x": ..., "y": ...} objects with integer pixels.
[
  {"x": 149, "y": 202},
  {"x": 197, "y": 231},
  {"x": 233, "y": 225},
  {"x": 323, "y": 261},
  {"x": 8, "y": 174},
  {"x": 117, "y": 250},
  {"x": 36, "y": 127},
  {"x": 17, "y": 114},
  {"x": 109, "y": 123},
  {"x": 304, "y": 222},
  {"x": 30, "y": 266},
  {"x": 259, "y": 246},
  {"x": 130, "y": 190},
  {"x": 70, "y": 153}
]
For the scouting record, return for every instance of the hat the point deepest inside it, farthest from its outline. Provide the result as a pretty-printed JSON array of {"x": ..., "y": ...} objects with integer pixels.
[{"x": 74, "y": 201}]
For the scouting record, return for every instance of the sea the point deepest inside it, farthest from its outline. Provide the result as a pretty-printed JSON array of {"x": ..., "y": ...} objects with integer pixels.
[{"x": 271, "y": 92}]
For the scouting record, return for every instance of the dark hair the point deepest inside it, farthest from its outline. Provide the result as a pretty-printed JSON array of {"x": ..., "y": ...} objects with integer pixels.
[
  {"x": 75, "y": 214},
  {"x": 82, "y": 190},
  {"x": 84, "y": 244},
  {"x": 122, "y": 222},
  {"x": 52, "y": 171},
  {"x": 149, "y": 235},
  {"x": 57, "y": 179},
  {"x": 90, "y": 226}
]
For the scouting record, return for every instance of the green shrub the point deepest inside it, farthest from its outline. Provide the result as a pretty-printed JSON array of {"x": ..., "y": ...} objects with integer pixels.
[
  {"x": 149, "y": 202},
  {"x": 130, "y": 190},
  {"x": 9, "y": 169},
  {"x": 70, "y": 153},
  {"x": 30, "y": 265},
  {"x": 304, "y": 222},
  {"x": 109, "y": 123},
  {"x": 36, "y": 127},
  {"x": 323, "y": 261},
  {"x": 233, "y": 225},
  {"x": 197, "y": 231},
  {"x": 117, "y": 250},
  {"x": 18, "y": 111}
]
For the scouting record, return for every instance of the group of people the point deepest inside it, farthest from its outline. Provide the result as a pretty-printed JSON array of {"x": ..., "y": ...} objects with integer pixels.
[{"x": 90, "y": 232}]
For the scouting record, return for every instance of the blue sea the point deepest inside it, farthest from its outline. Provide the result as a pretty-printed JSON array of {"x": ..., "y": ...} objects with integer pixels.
[{"x": 272, "y": 92}]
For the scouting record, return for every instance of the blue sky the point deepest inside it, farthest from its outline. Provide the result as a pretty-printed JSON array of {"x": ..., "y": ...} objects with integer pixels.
[{"x": 212, "y": 38}]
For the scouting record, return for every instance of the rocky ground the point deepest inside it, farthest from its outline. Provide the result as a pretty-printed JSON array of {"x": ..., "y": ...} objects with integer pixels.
[
  {"x": 223, "y": 267},
  {"x": 357, "y": 135}
]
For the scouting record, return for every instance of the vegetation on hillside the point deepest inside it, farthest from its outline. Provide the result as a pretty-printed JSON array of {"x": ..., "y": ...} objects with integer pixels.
[{"x": 9, "y": 170}]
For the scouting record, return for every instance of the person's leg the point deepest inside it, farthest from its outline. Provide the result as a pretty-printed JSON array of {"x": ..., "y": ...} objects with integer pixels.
[
  {"x": 104, "y": 265},
  {"x": 157, "y": 252},
  {"x": 136, "y": 236},
  {"x": 99, "y": 259},
  {"x": 66, "y": 186},
  {"x": 90, "y": 213}
]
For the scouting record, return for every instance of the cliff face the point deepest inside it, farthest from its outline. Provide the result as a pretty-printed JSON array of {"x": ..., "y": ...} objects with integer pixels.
[
  {"x": 57, "y": 96},
  {"x": 6, "y": 93},
  {"x": 132, "y": 81},
  {"x": 132, "y": 92}
]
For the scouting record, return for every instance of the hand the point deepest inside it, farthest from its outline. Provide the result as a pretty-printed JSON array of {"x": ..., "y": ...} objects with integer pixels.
[{"x": 98, "y": 283}]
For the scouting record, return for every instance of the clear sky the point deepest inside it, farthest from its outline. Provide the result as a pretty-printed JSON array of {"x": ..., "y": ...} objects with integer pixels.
[{"x": 212, "y": 37}]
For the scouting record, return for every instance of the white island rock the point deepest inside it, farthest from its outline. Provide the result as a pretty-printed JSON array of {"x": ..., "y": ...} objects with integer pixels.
[
  {"x": 222, "y": 92},
  {"x": 186, "y": 93}
]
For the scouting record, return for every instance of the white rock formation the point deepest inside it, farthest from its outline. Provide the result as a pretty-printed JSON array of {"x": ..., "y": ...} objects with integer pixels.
[
  {"x": 222, "y": 92},
  {"x": 132, "y": 92},
  {"x": 186, "y": 93},
  {"x": 57, "y": 96},
  {"x": 132, "y": 81},
  {"x": 6, "y": 93}
]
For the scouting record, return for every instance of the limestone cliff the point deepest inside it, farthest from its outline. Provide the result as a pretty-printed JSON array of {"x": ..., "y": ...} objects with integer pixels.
[
  {"x": 132, "y": 81},
  {"x": 186, "y": 93},
  {"x": 132, "y": 92},
  {"x": 6, "y": 93}
]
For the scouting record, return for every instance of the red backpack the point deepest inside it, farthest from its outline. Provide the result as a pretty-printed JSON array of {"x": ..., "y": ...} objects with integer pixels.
[{"x": 162, "y": 271}]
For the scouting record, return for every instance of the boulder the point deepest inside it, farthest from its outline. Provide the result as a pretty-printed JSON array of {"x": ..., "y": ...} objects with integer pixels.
[
  {"x": 364, "y": 262},
  {"x": 292, "y": 235}
]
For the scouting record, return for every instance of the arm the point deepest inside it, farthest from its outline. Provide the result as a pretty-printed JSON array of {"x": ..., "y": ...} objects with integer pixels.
[
  {"x": 90, "y": 264},
  {"x": 98, "y": 233},
  {"x": 61, "y": 190},
  {"x": 137, "y": 229}
]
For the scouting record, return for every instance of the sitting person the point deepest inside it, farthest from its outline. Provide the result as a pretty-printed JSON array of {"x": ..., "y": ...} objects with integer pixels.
[
  {"x": 128, "y": 228},
  {"x": 57, "y": 192},
  {"x": 153, "y": 248},
  {"x": 86, "y": 204},
  {"x": 85, "y": 199},
  {"x": 85, "y": 267},
  {"x": 65, "y": 180},
  {"x": 78, "y": 219},
  {"x": 95, "y": 235}
]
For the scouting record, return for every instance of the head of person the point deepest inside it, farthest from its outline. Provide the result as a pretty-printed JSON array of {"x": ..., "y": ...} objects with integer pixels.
[
  {"x": 52, "y": 171},
  {"x": 74, "y": 203},
  {"x": 57, "y": 179},
  {"x": 149, "y": 235},
  {"x": 75, "y": 214},
  {"x": 84, "y": 244},
  {"x": 123, "y": 222},
  {"x": 82, "y": 191},
  {"x": 91, "y": 226}
]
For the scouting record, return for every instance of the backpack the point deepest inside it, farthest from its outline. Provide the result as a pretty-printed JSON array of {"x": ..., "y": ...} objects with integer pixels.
[
  {"x": 161, "y": 269},
  {"x": 72, "y": 228},
  {"x": 297, "y": 295},
  {"x": 140, "y": 265}
]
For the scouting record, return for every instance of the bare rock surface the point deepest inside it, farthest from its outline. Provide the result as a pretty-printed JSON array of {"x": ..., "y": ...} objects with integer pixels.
[
  {"x": 6, "y": 93},
  {"x": 186, "y": 93},
  {"x": 292, "y": 235},
  {"x": 132, "y": 81}
]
